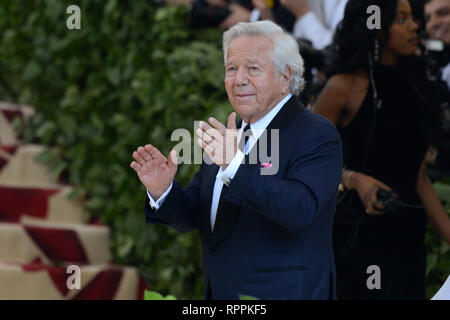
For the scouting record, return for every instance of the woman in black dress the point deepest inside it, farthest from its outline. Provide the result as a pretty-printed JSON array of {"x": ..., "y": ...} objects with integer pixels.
[{"x": 376, "y": 96}]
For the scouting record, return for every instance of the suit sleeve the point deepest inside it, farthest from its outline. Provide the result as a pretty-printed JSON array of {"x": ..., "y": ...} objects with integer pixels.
[
  {"x": 180, "y": 208},
  {"x": 294, "y": 201}
]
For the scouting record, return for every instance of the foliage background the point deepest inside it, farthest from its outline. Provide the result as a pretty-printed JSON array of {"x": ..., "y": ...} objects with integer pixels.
[{"x": 132, "y": 74}]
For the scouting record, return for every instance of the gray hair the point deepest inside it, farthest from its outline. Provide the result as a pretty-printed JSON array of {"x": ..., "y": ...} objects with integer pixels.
[{"x": 285, "y": 49}]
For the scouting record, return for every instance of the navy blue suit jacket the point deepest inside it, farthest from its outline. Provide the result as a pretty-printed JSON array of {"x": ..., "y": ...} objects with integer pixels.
[{"x": 274, "y": 240}]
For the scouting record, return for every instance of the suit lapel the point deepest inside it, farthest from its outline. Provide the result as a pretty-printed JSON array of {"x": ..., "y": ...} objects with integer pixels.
[
  {"x": 280, "y": 121},
  {"x": 286, "y": 114}
]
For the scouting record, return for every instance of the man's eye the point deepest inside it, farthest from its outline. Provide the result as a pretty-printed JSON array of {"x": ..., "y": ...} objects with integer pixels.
[
  {"x": 444, "y": 12},
  {"x": 230, "y": 69},
  {"x": 253, "y": 68}
]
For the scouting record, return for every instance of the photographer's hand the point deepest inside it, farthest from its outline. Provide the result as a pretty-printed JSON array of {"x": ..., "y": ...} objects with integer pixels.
[
  {"x": 298, "y": 7},
  {"x": 217, "y": 3},
  {"x": 367, "y": 188},
  {"x": 266, "y": 12},
  {"x": 238, "y": 14}
]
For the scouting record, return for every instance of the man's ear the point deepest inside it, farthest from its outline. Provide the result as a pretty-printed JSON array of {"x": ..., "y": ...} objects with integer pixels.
[{"x": 286, "y": 78}]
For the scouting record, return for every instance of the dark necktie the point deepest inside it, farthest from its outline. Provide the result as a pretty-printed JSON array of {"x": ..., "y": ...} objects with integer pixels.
[
  {"x": 246, "y": 135},
  {"x": 242, "y": 143}
]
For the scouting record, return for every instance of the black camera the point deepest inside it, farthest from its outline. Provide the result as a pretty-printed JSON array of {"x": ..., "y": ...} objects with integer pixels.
[{"x": 392, "y": 201}]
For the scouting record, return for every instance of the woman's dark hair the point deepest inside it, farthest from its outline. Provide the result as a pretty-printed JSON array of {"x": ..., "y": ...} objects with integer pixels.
[{"x": 353, "y": 40}]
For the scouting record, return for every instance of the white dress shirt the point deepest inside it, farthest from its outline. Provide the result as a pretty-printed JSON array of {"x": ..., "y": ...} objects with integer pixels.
[
  {"x": 228, "y": 174},
  {"x": 317, "y": 25}
]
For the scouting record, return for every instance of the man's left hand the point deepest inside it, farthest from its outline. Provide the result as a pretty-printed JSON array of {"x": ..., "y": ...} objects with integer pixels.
[{"x": 218, "y": 141}]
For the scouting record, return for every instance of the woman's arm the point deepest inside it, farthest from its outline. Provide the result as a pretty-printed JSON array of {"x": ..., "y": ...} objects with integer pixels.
[
  {"x": 332, "y": 103},
  {"x": 334, "y": 99},
  {"x": 433, "y": 206}
]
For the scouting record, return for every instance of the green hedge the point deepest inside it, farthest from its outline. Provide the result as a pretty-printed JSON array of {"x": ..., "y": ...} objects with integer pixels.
[
  {"x": 438, "y": 252},
  {"x": 130, "y": 76}
]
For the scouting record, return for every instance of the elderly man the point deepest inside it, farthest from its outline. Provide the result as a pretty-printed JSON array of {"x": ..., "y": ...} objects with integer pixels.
[
  {"x": 267, "y": 236},
  {"x": 313, "y": 20}
]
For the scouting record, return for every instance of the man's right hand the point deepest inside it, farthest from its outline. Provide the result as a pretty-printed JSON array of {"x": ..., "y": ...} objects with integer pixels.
[{"x": 154, "y": 170}]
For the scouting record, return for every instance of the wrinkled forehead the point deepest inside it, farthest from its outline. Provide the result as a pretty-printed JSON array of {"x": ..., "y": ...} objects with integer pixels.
[
  {"x": 249, "y": 47},
  {"x": 435, "y": 5}
]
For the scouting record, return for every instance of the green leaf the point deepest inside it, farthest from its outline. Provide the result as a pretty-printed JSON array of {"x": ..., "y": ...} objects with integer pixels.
[
  {"x": 32, "y": 70},
  {"x": 152, "y": 295},
  {"x": 113, "y": 76},
  {"x": 431, "y": 262},
  {"x": 245, "y": 297},
  {"x": 126, "y": 247},
  {"x": 443, "y": 191}
]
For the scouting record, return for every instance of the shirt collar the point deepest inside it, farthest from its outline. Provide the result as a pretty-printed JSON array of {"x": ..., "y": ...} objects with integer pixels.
[{"x": 259, "y": 126}]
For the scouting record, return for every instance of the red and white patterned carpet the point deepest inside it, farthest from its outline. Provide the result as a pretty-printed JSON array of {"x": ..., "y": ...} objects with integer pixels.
[{"x": 42, "y": 232}]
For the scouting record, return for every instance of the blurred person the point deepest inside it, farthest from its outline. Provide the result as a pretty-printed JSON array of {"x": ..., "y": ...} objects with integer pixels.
[
  {"x": 239, "y": 12},
  {"x": 437, "y": 43},
  {"x": 437, "y": 17},
  {"x": 220, "y": 13},
  {"x": 312, "y": 23},
  {"x": 315, "y": 60},
  {"x": 377, "y": 97},
  {"x": 274, "y": 11},
  {"x": 316, "y": 20},
  {"x": 259, "y": 233},
  {"x": 311, "y": 20}
]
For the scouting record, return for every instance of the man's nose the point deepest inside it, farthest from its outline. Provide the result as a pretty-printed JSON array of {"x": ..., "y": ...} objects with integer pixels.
[
  {"x": 241, "y": 77},
  {"x": 434, "y": 22}
]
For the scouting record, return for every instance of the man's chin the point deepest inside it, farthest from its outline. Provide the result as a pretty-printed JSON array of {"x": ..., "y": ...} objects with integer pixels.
[{"x": 243, "y": 108}]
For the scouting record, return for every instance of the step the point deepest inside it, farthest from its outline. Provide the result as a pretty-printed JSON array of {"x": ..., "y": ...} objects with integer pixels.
[
  {"x": 43, "y": 201},
  {"x": 6, "y": 153},
  {"x": 8, "y": 112},
  {"x": 38, "y": 281},
  {"x": 20, "y": 165},
  {"x": 52, "y": 242},
  {"x": 12, "y": 110}
]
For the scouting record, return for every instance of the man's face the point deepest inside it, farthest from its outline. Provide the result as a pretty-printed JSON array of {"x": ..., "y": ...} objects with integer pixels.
[
  {"x": 437, "y": 17},
  {"x": 253, "y": 85}
]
